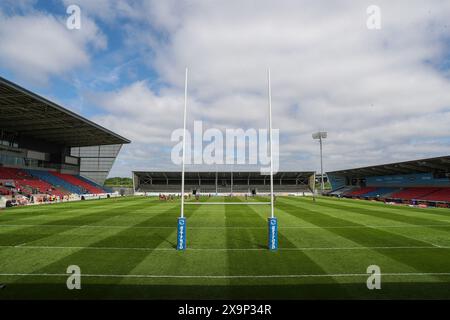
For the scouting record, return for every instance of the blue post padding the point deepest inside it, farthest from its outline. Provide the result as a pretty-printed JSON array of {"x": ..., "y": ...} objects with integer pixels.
[
  {"x": 273, "y": 234},
  {"x": 181, "y": 234}
]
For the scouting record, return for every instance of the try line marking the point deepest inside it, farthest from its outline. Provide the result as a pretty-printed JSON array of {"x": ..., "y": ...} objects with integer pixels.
[
  {"x": 412, "y": 274},
  {"x": 24, "y": 246},
  {"x": 226, "y": 203}
]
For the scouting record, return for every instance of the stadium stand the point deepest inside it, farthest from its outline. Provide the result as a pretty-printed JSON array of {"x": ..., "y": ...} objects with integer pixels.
[
  {"x": 55, "y": 181},
  {"x": 223, "y": 182},
  {"x": 82, "y": 185},
  {"x": 442, "y": 194},
  {"x": 24, "y": 183},
  {"x": 360, "y": 191},
  {"x": 341, "y": 191},
  {"x": 417, "y": 182},
  {"x": 92, "y": 183},
  {"x": 380, "y": 192},
  {"x": 369, "y": 192},
  {"x": 28, "y": 181},
  {"x": 45, "y": 148},
  {"x": 4, "y": 191},
  {"x": 12, "y": 173},
  {"x": 29, "y": 186},
  {"x": 414, "y": 193}
]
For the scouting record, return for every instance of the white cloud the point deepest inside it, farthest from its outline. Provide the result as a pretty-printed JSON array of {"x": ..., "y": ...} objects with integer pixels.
[
  {"x": 372, "y": 90},
  {"x": 111, "y": 11},
  {"x": 37, "y": 45},
  {"x": 21, "y": 5},
  {"x": 150, "y": 118},
  {"x": 379, "y": 94}
]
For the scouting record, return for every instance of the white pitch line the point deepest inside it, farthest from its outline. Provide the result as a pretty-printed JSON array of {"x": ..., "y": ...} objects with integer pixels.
[
  {"x": 222, "y": 227},
  {"x": 412, "y": 274},
  {"x": 227, "y": 203},
  {"x": 23, "y": 246}
]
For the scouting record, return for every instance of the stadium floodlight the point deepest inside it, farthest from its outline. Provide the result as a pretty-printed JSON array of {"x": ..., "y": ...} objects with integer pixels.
[{"x": 320, "y": 136}]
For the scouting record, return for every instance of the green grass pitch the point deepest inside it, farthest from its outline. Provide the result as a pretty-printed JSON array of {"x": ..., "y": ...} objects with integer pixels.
[{"x": 125, "y": 249}]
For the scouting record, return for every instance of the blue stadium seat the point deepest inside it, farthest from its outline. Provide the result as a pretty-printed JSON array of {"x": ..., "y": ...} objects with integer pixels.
[
  {"x": 108, "y": 190},
  {"x": 55, "y": 181},
  {"x": 379, "y": 192}
]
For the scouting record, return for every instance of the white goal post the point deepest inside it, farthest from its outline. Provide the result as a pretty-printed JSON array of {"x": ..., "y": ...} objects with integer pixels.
[{"x": 272, "y": 221}]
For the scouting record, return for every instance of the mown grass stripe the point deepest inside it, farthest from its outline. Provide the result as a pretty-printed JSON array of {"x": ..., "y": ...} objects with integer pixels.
[
  {"x": 25, "y": 246},
  {"x": 229, "y": 241},
  {"x": 128, "y": 259},
  {"x": 403, "y": 226},
  {"x": 366, "y": 238},
  {"x": 336, "y": 275}
]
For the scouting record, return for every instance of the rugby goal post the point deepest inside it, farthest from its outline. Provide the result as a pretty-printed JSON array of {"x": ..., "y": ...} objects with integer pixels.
[{"x": 272, "y": 220}]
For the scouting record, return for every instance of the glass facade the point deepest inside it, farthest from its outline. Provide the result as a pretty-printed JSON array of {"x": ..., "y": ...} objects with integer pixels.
[
  {"x": 8, "y": 143},
  {"x": 96, "y": 161},
  {"x": 11, "y": 160},
  {"x": 20, "y": 160}
]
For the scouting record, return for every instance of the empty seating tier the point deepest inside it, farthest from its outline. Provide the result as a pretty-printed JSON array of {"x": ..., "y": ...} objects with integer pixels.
[
  {"x": 440, "y": 195},
  {"x": 28, "y": 181},
  {"x": 25, "y": 183},
  {"x": 13, "y": 173},
  {"x": 361, "y": 191},
  {"x": 418, "y": 193},
  {"x": 55, "y": 181},
  {"x": 29, "y": 186},
  {"x": 83, "y": 185},
  {"x": 105, "y": 189},
  {"x": 380, "y": 192}
]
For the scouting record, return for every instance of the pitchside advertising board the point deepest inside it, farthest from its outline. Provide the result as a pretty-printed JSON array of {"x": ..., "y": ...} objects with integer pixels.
[
  {"x": 181, "y": 234},
  {"x": 273, "y": 233}
]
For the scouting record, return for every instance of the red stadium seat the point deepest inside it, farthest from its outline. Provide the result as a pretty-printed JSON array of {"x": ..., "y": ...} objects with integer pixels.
[
  {"x": 79, "y": 183},
  {"x": 442, "y": 194},
  {"x": 361, "y": 191},
  {"x": 12, "y": 173},
  {"x": 4, "y": 191},
  {"x": 418, "y": 193},
  {"x": 40, "y": 186},
  {"x": 26, "y": 183}
]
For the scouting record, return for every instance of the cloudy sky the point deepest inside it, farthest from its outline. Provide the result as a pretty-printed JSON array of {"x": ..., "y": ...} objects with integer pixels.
[{"x": 383, "y": 94}]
